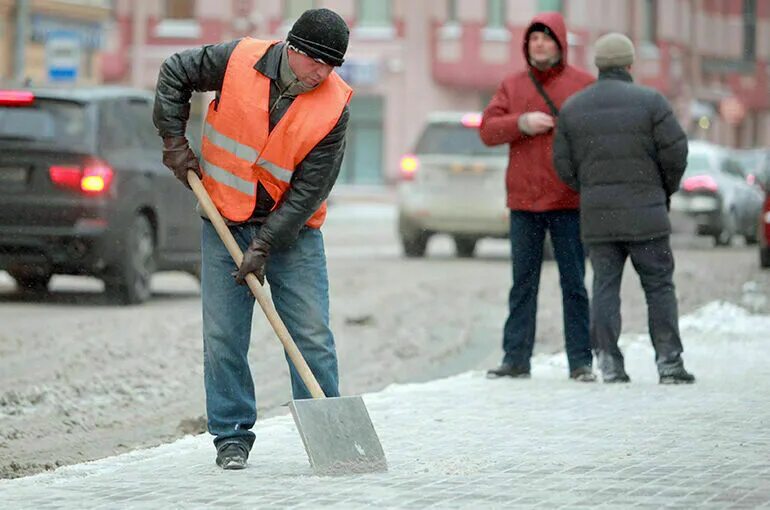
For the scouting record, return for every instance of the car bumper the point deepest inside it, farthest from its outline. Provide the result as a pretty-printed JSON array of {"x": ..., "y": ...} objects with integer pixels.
[
  {"x": 481, "y": 216},
  {"x": 87, "y": 247},
  {"x": 704, "y": 211}
]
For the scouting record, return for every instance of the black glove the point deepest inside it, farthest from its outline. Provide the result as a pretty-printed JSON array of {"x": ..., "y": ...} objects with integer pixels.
[
  {"x": 179, "y": 158},
  {"x": 254, "y": 260}
]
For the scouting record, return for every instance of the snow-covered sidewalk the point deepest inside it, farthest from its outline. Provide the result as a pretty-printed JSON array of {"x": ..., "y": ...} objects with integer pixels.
[{"x": 468, "y": 442}]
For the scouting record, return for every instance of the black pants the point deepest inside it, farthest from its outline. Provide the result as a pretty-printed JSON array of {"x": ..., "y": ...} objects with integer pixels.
[{"x": 654, "y": 262}]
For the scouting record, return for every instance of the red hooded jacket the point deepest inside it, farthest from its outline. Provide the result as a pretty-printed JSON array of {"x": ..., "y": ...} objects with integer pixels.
[{"x": 531, "y": 179}]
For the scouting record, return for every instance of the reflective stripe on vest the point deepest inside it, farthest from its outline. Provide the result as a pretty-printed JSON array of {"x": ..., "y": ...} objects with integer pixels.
[
  {"x": 243, "y": 152},
  {"x": 237, "y": 149},
  {"x": 221, "y": 175}
]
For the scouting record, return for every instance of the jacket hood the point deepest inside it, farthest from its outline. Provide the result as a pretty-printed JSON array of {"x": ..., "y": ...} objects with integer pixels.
[{"x": 555, "y": 22}]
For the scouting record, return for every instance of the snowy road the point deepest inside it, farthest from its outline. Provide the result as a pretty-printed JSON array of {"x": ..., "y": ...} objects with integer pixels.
[{"x": 82, "y": 379}]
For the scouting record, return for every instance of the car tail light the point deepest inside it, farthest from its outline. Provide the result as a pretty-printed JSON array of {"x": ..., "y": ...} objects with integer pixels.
[
  {"x": 700, "y": 183},
  {"x": 16, "y": 97},
  {"x": 91, "y": 179},
  {"x": 471, "y": 120},
  {"x": 409, "y": 166}
]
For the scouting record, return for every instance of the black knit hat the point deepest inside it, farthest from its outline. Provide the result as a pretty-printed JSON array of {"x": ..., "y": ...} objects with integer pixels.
[
  {"x": 541, "y": 27},
  {"x": 320, "y": 34}
]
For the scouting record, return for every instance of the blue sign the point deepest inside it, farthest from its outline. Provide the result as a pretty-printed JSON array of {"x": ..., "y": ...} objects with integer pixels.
[
  {"x": 90, "y": 34},
  {"x": 359, "y": 72},
  {"x": 62, "y": 55}
]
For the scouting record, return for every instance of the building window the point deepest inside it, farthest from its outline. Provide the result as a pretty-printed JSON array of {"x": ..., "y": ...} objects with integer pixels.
[
  {"x": 749, "y": 29},
  {"x": 651, "y": 21},
  {"x": 549, "y": 5},
  {"x": 451, "y": 11},
  {"x": 179, "y": 9},
  {"x": 496, "y": 14},
  {"x": 374, "y": 13},
  {"x": 293, "y": 9}
]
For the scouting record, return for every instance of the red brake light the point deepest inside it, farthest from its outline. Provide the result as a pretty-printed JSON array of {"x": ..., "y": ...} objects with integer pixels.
[
  {"x": 93, "y": 179},
  {"x": 66, "y": 176},
  {"x": 409, "y": 166},
  {"x": 471, "y": 120},
  {"x": 16, "y": 97},
  {"x": 700, "y": 183}
]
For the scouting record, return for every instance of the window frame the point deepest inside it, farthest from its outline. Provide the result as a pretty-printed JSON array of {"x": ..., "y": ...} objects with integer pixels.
[
  {"x": 287, "y": 11},
  {"x": 502, "y": 9},
  {"x": 749, "y": 30},
  {"x": 363, "y": 23},
  {"x": 192, "y": 8}
]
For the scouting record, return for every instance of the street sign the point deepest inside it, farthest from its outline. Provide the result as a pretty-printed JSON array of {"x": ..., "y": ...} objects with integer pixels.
[{"x": 62, "y": 54}]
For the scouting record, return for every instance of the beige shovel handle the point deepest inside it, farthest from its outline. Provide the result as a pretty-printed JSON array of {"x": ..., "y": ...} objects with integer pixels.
[{"x": 267, "y": 307}]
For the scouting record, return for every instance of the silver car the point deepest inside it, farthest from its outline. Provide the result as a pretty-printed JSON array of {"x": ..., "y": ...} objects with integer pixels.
[
  {"x": 715, "y": 193},
  {"x": 452, "y": 184}
]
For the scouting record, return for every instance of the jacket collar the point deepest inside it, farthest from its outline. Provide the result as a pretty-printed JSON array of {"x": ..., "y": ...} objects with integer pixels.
[
  {"x": 270, "y": 63},
  {"x": 615, "y": 73}
]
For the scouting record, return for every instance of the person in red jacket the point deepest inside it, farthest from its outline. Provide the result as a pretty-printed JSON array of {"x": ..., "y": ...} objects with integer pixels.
[{"x": 522, "y": 114}]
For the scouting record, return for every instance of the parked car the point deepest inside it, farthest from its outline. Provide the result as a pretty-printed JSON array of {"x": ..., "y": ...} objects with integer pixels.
[
  {"x": 756, "y": 163},
  {"x": 716, "y": 194},
  {"x": 764, "y": 227},
  {"x": 83, "y": 191},
  {"x": 453, "y": 184}
]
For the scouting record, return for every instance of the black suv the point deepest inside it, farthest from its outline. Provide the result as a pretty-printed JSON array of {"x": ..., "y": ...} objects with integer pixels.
[{"x": 83, "y": 191}]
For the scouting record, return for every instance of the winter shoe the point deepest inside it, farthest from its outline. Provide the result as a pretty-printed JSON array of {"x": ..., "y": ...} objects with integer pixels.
[
  {"x": 583, "y": 374},
  {"x": 615, "y": 378},
  {"x": 678, "y": 376},
  {"x": 232, "y": 455},
  {"x": 508, "y": 370}
]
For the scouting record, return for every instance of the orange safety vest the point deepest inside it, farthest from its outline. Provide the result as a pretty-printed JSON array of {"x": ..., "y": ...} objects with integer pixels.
[{"x": 239, "y": 150}]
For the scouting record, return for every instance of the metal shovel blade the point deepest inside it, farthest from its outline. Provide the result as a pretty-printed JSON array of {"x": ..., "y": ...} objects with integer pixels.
[{"x": 338, "y": 436}]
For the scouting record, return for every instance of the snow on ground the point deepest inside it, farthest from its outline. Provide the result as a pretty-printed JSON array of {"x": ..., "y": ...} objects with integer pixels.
[{"x": 716, "y": 327}]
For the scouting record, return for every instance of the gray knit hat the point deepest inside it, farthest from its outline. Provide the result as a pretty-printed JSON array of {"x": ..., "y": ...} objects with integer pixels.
[{"x": 613, "y": 50}]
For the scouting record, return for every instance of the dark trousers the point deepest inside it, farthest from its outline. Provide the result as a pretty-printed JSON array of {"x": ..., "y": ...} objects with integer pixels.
[
  {"x": 527, "y": 234},
  {"x": 654, "y": 262}
]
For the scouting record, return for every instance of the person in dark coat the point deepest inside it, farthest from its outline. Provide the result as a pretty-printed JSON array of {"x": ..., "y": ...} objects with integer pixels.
[
  {"x": 619, "y": 145},
  {"x": 520, "y": 116}
]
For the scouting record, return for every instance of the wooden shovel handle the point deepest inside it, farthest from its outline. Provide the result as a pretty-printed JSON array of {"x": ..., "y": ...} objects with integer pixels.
[{"x": 256, "y": 288}]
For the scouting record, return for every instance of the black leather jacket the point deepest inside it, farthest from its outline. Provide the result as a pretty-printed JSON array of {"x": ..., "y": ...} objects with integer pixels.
[{"x": 203, "y": 69}]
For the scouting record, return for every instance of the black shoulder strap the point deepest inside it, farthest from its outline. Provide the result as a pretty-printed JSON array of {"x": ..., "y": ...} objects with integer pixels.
[{"x": 539, "y": 87}]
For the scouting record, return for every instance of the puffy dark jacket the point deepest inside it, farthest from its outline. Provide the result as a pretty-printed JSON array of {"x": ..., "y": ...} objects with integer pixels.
[
  {"x": 203, "y": 69},
  {"x": 621, "y": 147},
  {"x": 531, "y": 180}
]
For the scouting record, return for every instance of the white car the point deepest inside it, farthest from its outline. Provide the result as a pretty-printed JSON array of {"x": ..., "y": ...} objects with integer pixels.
[{"x": 452, "y": 184}]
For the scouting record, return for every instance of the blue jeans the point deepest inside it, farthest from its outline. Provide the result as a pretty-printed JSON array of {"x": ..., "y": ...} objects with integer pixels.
[
  {"x": 300, "y": 291},
  {"x": 527, "y": 236}
]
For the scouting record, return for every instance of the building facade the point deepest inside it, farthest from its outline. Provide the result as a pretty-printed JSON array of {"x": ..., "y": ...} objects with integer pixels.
[
  {"x": 410, "y": 57},
  {"x": 45, "y": 42}
]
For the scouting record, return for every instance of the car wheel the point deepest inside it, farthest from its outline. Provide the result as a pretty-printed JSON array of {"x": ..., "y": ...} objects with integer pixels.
[
  {"x": 31, "y": 279},
  {"x": 465, "y": 246},
  {"x": 764, "y": 257},
  {"x": 725, "y": 237},
  {"x": 415, "y": 243},
  {"x": 195, "y": 271},
  {"x": 131, "y": 283}
]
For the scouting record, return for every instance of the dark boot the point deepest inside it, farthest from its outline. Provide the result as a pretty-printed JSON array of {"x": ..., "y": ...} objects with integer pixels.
[
  {"x": 583, "y": 374},
  {"x": 232, "y": 455},
  {"x": 508, "y": 370},
  {"x": 677, "y": 376},
  {"x": 616, "y": 378},
  {"x": 612, "y": 366}
]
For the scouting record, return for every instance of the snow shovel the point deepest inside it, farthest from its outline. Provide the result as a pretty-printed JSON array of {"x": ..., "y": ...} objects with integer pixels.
[{"x": 337, "y": 432}]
